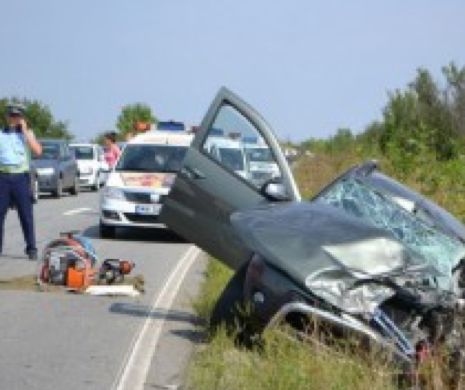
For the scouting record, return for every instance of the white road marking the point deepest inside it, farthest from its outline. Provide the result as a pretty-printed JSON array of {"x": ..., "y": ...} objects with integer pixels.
[
  {"x": 134, "y": 370},
  {"x": 77, "y": 211}
]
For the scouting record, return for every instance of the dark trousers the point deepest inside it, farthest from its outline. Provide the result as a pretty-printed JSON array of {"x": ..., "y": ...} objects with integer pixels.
[{"x": 15, "y": 189}]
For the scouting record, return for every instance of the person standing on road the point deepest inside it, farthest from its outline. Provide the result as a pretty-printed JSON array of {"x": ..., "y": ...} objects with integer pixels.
[
  {"x": 17, "y": 142},
  {"x": 112, "y": 150}
]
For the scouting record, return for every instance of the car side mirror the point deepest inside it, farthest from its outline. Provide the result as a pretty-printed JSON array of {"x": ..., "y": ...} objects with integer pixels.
[{"x": 275, "y": 190}]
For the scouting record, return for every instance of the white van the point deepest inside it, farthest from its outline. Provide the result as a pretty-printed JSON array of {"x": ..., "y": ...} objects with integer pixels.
[
  {"x": 230, "y": 153},
  {"x": 141, "y": 179},
  {"x": 93, "y": 169},
  {"x": 262, "y": 165}
]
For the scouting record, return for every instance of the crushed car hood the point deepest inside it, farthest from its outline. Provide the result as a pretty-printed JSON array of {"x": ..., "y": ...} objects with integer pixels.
[
  {"x": 358, "y": 240},
  {"x": 343, "y": 258}
]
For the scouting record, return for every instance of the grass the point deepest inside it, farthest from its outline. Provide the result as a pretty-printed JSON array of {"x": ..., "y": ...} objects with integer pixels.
[
  {"x": 285, "y": 364},
  {"x": 282, "y": 363}
]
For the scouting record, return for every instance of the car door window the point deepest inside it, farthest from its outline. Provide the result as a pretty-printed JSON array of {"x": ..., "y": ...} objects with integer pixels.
[{"x": 237, "y": 145}]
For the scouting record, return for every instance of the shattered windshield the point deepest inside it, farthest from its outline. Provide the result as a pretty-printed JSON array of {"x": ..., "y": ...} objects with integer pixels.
[{"x": 363, "y": 201}]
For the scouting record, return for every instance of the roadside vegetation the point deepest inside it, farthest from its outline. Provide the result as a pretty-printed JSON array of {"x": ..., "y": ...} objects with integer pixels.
[
  {"x": 419, "y": 141},
  {"x": 280, "y": 362},
  {"x": 39, "y": 117}
]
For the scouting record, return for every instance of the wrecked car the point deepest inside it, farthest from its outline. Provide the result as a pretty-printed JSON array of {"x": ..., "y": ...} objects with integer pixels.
[{"x": 366, "y": 255}]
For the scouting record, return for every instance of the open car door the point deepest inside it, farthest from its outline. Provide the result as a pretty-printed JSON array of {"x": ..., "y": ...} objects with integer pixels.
[{"x": 233, "y": 163}]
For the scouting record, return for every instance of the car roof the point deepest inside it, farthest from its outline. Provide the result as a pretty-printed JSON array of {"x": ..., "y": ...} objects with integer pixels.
[
  {"x": 224, "y": 142},
  {"x": 157, "y": 137},
  {"x": 53, "y": 141},
  {"x": 83, "y": 144}
]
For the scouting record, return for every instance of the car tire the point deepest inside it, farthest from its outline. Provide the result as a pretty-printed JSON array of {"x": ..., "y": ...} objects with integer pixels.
[
  {"x": 58, "y": 193},
  {"x": 107, "y": 231},
  {"x": 231, "y": 311},
  {"x": 74, "y": 190}
]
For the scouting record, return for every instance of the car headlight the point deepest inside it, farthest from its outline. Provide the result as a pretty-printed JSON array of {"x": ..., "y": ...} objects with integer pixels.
[
  {"x": 45, "y": 171},
  {"x": 113, "y": 193}
]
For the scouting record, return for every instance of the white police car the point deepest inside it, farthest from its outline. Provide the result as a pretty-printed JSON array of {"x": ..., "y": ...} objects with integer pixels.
[{"x": 137, "y": 186}]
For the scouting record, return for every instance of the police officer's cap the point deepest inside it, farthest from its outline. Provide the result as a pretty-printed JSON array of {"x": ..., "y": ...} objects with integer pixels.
[{"x": 15, "y": 109}]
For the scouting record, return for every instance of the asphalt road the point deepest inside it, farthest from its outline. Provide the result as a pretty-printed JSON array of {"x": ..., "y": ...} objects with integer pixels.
[{"x": 66, "y": 341}]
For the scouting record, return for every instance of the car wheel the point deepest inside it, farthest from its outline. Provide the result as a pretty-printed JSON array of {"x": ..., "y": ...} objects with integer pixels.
[
  {"x": 58, "y": 193},
  {"x": 107, "y": 231},
  {"x": 75, "y": 188},
  {"x": 232, "y": 312}
]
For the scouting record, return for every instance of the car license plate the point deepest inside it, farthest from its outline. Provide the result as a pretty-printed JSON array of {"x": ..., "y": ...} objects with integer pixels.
[{"x": 148, "y": 209}]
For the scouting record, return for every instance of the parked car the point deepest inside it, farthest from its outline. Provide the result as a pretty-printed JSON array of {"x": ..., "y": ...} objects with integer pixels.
[
  {"x": 366, "y": 256},
  {"x": 93, "y": 169},
  {"x": 261, "y": 162},
  {"x": 230, "y": 152},
  {"x": 136, "y": 188},
  {"x": 56, "y": 168}
]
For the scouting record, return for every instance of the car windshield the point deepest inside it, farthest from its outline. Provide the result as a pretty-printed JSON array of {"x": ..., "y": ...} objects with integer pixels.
[
  {"x": 260, "y": 155},
  {"x": 83, "y": 152},
  {"x": 50, "y": 151},
  {"x": 152, "y": 158},
  {"x": 232, "y": 158},
  {"x": 361, "y": 200}
]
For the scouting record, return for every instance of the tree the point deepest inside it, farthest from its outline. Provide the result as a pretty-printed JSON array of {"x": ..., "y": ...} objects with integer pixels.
[
  {"x": 39, "y": 118},
  {"x": 131, "y": 114},
  {"x": 419, "y": 118},
  {"x": 455, "y": 95}
]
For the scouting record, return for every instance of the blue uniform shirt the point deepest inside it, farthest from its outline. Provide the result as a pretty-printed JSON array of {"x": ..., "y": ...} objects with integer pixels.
[{"x": 14, "y": 153}]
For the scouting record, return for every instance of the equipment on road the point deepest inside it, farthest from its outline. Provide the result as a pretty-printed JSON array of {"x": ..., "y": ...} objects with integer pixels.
[
  {"x": 113, "y": 270},
  {"x": 70, "y": 261}
]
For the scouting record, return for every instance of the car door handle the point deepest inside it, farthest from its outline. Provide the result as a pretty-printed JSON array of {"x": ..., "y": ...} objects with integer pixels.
[{"x": 192, "y": 173}]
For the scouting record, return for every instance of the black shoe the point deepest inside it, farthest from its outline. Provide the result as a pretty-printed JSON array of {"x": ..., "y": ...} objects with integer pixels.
[{"x": 32, "y": 254}]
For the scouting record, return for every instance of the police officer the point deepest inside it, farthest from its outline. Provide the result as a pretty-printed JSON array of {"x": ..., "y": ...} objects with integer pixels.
[{"x": 17, "y": 142}]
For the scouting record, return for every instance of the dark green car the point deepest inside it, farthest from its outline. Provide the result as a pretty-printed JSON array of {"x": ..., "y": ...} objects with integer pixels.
[{"x": 367, "y": 255}]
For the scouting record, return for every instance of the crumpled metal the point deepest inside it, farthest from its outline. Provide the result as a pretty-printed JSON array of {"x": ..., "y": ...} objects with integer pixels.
[{"x": 363, "y": 201}]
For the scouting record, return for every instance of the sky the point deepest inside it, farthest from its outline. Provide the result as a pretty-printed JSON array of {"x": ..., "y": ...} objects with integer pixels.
[{"x": 310, "y": 67}]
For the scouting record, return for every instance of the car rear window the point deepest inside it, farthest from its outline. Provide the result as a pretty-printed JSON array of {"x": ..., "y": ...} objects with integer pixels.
[{"x": 152, "y": 158}]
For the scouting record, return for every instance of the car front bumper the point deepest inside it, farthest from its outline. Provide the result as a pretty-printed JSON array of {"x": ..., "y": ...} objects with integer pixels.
[
  {"x": 87, "y": 180},
  {"x": 47, "y": 182},
  {"x": 121, "y": 213}
]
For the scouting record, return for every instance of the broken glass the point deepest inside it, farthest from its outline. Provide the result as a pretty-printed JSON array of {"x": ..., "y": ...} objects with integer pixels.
[{"x": 361, "y": 200}]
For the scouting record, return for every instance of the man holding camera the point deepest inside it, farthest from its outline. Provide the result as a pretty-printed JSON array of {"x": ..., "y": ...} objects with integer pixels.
[{"x": 17, "y": 142}]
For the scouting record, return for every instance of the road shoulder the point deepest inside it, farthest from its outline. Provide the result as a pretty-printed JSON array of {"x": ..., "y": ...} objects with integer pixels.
[{"x": 179, "y": 336}]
